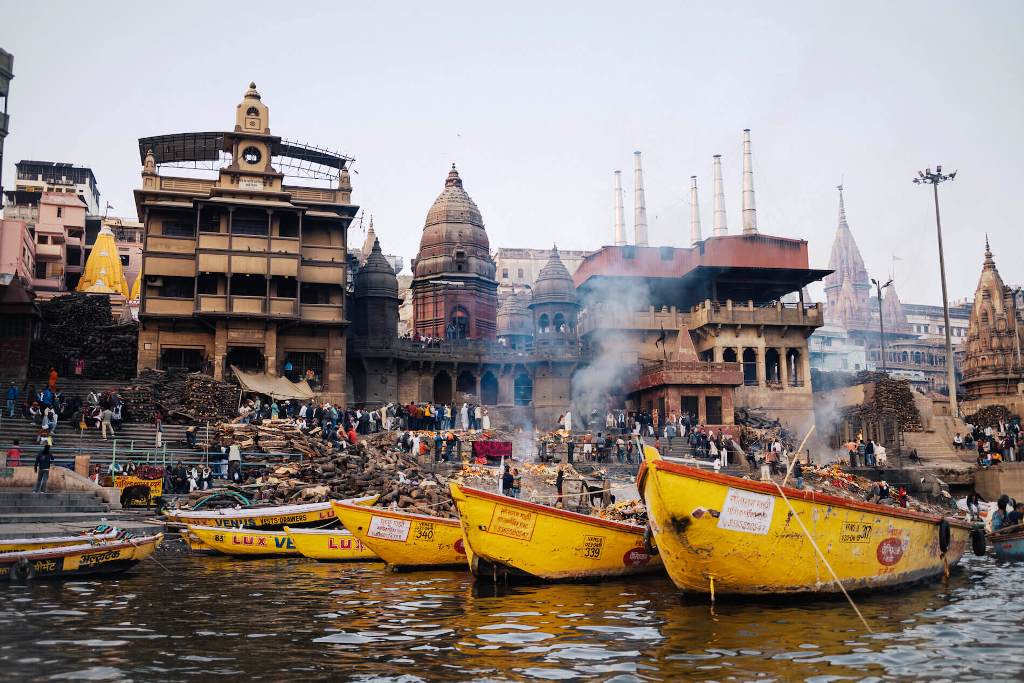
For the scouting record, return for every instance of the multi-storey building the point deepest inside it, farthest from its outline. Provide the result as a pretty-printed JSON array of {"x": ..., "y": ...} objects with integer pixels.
[
  {"x": 244, "y": 269},
  {"x": 60, "y": 178},
  {"x": 55, "y": 225}
]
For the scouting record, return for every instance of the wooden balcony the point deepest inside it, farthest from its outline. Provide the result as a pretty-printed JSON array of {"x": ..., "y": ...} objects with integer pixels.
[
  {"x": 734, "y": 313},
  {"x": 158, "y": 305},
  {"x": 688, "y": 372},
  {"x": 284, "y": 245},
  {"x": 248, "y": 304},
  {"x": 176, "y": 267},
  {"x": 212, "y": 303},
  {"x": 323, "y": 253},
  {"x": 323, "y": 313},
  {"x": 330, "y": 275},
  {"x": 213, "y": 240},
  {"x": 284, "y": 307}
]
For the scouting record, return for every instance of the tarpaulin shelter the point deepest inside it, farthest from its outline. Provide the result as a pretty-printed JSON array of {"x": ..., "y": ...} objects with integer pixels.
[{"x": 275, "y": 387}]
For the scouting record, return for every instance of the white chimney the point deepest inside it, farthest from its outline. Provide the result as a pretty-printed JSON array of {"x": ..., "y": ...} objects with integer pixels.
[
  {"x": 694, "y": 212},
  {"x": 720, "y": 225},
  {"x": 620, "y": 219},
  {"x": 749, "y": 212},
  {"x": 640, "y": 204}
]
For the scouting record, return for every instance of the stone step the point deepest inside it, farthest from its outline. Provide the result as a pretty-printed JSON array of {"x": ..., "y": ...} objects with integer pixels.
[
  {"x": 94, "y": 517},
  {"x": 15, "y": 497}
]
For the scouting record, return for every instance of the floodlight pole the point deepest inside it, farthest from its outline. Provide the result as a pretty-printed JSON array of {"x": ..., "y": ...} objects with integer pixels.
[{"x": 934, "y": 178}]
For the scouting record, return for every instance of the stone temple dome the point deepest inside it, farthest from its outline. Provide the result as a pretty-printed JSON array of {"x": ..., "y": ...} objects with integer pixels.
[
  {"x": 514, "y": 318},
  {"x": 454, "y": 241},
  {"x": 376, "y": 277},
  {"x": 554, "y": 284}
]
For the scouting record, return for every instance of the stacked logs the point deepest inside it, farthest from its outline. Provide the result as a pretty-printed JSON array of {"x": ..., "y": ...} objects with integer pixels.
[
  {"x": 80, "y": 326},
  {"x": 181, "y": 397},
  {"x": 891, "y": 398},
  {"x": 990, "y": 416},
  {"x": 357, "y": 470}
]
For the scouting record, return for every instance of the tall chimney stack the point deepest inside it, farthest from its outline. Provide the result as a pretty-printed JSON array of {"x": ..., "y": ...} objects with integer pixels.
[
  {"x": 749, "y": 212},
  {"x": 640, "y": 204},
  {"x": 720, "y": 225},
  {"x": 695, "y": 235},
  {"x": 620, "y": 219}
]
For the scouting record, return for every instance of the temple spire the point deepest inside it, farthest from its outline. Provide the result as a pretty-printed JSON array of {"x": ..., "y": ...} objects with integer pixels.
[{"x": 842, "y": 206}]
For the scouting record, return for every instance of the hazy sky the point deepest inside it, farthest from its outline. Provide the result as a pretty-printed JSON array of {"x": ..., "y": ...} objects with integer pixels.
[{"x": 539, "y": 103}]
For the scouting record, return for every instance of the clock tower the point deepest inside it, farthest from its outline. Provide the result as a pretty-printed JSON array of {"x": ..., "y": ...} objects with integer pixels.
[{"x": 251, "y": 146}]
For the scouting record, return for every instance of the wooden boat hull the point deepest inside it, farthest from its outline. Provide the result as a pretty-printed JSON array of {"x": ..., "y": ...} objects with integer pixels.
[
  {"x": 17, "y": 545},
  {"x": 515, "y": 538},
  {"x": 1008, "y": 547},
  {"x": 740, "y": 534},
  {"x": 268, "y": 519},
  {"x": 405, "y": 540},
  {"x": 245, "y": 542},
  {"x": 330, "y": 545},
  {"x": 85, "y": 559}
]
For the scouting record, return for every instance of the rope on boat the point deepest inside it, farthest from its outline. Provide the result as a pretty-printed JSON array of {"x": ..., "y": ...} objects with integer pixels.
[{"x": 810, "y": 538}]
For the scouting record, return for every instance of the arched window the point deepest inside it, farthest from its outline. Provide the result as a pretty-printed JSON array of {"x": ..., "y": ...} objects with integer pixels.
[
  {"x": 489, "y": 389},
  {"x": 772, "y": 366},
  {"x": 750, "y": 367},
  {"x": 523, "y": 389},
  {"x": 458, "y": 324},
  {"x": 729, "y": 356},
  {"x": 252, "y": 111},
  {"x": 544, "y": 324},
  {"x": 560, "y": 325}
]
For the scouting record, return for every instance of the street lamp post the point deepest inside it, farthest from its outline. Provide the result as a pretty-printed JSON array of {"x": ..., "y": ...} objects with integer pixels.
[
  {"x": 927, "y": 177},
  {"x": 881, "y": 324}
]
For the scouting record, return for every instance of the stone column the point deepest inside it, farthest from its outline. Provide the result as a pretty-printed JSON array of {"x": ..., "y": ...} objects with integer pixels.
[
  {"x": 783, "y": 367},
  {"x": 270, "y": 349},
  {"x": 762, "y": 367},
  {"x": 334, "y": 370},
  {"x": 220, "y": 349}
]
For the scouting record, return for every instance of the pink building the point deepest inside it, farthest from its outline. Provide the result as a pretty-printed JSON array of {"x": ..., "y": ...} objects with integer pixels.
[
  {"x": 55, "y": 224},
  {"x": 17, "y": 251}
]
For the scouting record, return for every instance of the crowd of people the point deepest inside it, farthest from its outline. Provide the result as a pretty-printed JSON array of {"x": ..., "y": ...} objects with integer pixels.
[
  {"x": 863, "y": 452},
  {"x": 391, "y": 417},
  {"x": 993, "y": 445}
]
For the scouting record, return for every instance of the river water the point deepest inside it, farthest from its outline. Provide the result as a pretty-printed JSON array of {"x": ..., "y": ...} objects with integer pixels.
[{"x": 191, "y": 618}]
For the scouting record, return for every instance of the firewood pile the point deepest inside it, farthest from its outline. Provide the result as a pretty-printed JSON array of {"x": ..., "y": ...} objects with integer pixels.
[
  {"x": 892, "y": 398},
  {"x": 628, "y": 511},
  {"x": 80, "y": 326},
  {"x": 359, "y": 470},
  {"x": 833, "y": 480},
  {"x": 757, "y": 428},
  {"x": 990, "y": 416},
  {"x": 182, "y": 397}
]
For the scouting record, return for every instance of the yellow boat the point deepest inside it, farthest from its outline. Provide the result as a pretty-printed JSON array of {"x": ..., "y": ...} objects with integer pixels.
[
  {"x": 336, "y": 545},
  {"x": 402, "y": 539},
  {"x": 269, "y": 518},
  {"x": 83, "y": 559},
  {"x": 508, "y": 537},
  {"x": 247, "y": 542},
  {"x": 16, "y": 545},
  {"x": 722, "y": 534}
]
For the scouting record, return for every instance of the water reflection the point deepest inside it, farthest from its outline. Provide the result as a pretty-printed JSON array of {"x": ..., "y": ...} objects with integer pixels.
[{"x": 268, "y": 620}]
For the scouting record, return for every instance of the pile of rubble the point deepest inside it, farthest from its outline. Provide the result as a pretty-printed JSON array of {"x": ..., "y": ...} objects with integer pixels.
[
  {"x": 757, "y": 428},
  {"x": 182, "y": 397}
]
